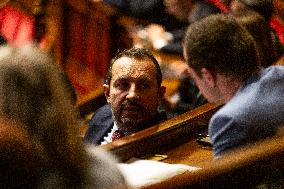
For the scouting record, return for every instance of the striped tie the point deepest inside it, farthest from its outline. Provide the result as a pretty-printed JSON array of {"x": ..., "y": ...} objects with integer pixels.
[{"x": 116, "y": 135}]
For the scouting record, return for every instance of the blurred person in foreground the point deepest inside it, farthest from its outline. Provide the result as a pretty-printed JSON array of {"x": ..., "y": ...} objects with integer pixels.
[
  {"x": 34, "y": 94},
  {"x": 21, "y": 158},
  {"x": 134, "y": 93},
  {"x": 224, "y": 63},
  {"x": 256, "y": 25},
  {"x": 266, "y": 9}
]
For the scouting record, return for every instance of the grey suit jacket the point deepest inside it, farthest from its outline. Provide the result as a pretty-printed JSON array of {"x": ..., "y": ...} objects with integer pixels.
[{"x": 254, "y": 113}]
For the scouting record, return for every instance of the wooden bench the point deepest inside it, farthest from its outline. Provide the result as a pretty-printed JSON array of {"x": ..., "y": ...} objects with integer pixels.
[
  {"x": 244, "y": 168},
  {"x": 175, "y": 137}
]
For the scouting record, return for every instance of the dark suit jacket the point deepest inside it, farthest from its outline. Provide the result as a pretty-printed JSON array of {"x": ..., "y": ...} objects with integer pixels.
[{"x": 102, "y": 123}]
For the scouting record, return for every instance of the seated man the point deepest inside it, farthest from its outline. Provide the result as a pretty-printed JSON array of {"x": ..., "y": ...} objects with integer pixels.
[
  {"x": 133, "y": 91},
  {"x": 223, "y": 61}
]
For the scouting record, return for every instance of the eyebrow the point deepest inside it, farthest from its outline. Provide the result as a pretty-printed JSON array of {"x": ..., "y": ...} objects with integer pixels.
[
  {"x": 140, "y": 79},
  {"x": 120, "y": 79},
  {"x": 144, "y": 79}
]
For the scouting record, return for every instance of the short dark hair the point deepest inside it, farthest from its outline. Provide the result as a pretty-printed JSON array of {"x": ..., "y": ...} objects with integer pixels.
[
  {"x": 220, "y": 44},
  {"x": 136, "y": 53}
]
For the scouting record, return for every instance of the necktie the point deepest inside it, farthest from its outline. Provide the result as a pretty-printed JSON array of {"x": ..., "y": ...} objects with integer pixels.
[{"x": 116, "y": 135}]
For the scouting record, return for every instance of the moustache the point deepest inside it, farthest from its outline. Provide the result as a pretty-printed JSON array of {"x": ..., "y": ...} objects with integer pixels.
[{"x": 132, "y": 105}]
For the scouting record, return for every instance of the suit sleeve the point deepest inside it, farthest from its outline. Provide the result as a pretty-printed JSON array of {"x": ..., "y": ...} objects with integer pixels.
[
  {"x": 90, "y": 133},
  {"x": 226, "y": 134}
]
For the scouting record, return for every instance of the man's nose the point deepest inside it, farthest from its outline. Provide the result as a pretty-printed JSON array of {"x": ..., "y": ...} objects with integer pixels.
[{"x": 133, "y": 92}]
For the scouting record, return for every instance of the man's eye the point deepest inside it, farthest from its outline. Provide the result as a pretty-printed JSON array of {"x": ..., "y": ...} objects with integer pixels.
[
  {"x": 121, "y": 85},
  {"x": 145, "y": 85}
]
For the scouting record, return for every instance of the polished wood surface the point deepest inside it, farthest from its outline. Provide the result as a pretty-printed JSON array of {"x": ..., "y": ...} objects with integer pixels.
[
  {"x": 244, "y": 167},
  {"x": 280, "y": 62},
  {"x": 189, "y": 153},
  {"x": 170, "y": 137}
]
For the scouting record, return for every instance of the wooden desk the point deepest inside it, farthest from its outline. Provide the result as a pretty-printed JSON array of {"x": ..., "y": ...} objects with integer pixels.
[
  {"x": 242, "y": 168},
  {"x": 189, "y": 153}
]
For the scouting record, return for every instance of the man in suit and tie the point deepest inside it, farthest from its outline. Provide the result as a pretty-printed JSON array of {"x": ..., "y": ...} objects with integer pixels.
[
  {"x": 133, "y": 91},
  {"x": 224, "y": 63}
]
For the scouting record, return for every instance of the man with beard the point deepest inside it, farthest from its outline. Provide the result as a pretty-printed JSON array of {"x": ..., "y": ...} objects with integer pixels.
[{"x": 133, "y": 91}]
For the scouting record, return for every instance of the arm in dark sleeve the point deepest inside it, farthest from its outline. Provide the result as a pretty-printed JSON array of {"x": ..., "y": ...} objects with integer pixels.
[{"x": 99, "y": 125}]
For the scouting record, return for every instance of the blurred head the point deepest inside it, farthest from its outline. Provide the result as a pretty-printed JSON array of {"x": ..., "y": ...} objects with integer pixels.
[
  {"x": 179, "y": 8},
  {"x": 219, "y": 46},
  {"x": 133, "y": 88},
  {"x": 22, "y": 160},
  {"x": 256, "y": 25},
  {"x": 263, "y": 7},
  {"x": 33, "y": 93}
]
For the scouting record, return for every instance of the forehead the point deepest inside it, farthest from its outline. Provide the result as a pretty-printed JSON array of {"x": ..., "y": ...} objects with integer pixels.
[{"x": 133, "y": 68}]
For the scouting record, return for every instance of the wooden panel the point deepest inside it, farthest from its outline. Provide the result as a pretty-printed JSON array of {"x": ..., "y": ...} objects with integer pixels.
[
  {"x": 167, "y": 136},
  {"x": 86, "y": 45},
  {"x": 77, "y": 32}
]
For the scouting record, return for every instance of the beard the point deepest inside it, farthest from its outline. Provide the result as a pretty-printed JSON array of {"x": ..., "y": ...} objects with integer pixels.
[{"x": 131, "y": 117}]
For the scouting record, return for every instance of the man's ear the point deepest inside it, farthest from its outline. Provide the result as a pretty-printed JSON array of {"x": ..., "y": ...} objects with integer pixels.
[
  {"x": 209, "y": 77},
  {"x": 106, "y": 92},
  {"x": 187, "y": 72}
]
